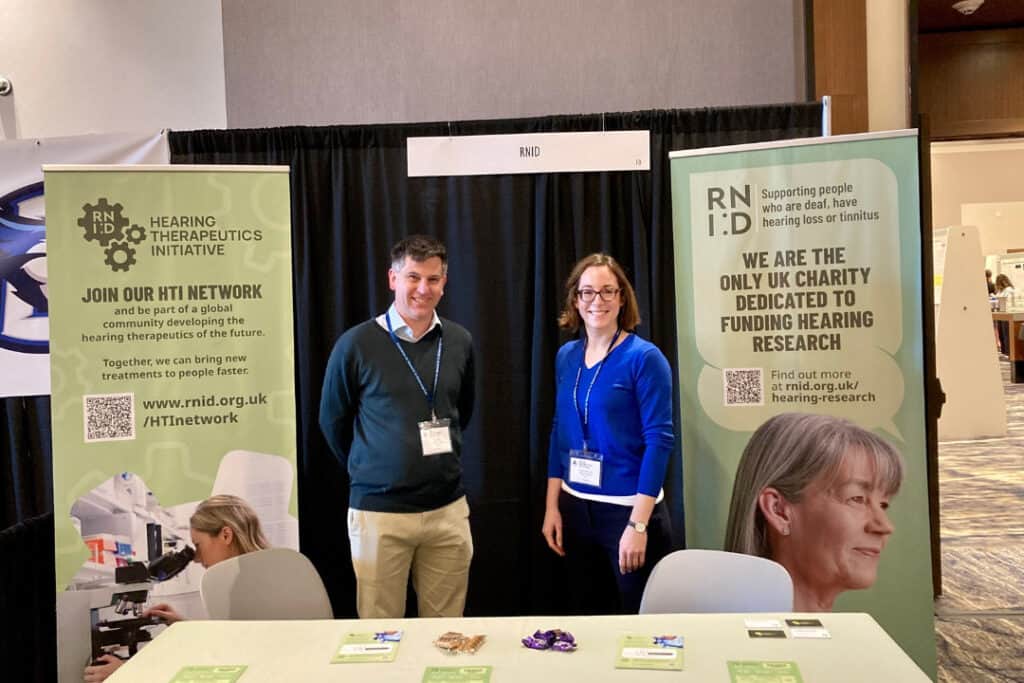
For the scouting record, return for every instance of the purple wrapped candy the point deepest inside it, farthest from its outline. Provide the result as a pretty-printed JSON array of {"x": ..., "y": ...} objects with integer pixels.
[
  {"x": 563, "y": 646},
  {"x": 535, "y": 643},
  {"x": 553, "y": 639}
]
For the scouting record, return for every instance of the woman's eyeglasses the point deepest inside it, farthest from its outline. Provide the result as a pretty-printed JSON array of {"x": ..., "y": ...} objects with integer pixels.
[{"x": 607, "y": 294}]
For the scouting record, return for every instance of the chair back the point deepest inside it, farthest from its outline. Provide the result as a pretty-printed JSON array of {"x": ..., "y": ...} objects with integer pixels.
[
  {"x": 276, "y": 583},
  {"x": 697, "y": 581}
]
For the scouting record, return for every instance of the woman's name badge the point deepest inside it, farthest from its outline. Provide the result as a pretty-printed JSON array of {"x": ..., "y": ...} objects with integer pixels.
[
  {"x": 436, "y": 436},
  {"x": 585, "y": 467}
]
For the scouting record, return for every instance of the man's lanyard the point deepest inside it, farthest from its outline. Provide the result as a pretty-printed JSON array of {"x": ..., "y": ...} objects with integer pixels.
[
  {"x": 437, "y": 365},
  {"x": 585, "y": 415}
]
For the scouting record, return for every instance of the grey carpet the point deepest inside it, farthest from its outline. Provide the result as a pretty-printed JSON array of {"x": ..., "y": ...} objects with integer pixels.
[{"x": 979, "y": 620}]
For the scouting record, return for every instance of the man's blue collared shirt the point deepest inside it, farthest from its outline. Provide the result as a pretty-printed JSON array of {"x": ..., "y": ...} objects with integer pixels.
[{"x": 402, "y": 330}]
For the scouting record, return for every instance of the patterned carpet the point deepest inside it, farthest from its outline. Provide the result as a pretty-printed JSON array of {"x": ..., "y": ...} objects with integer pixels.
[{"x": 979, "y": 620}]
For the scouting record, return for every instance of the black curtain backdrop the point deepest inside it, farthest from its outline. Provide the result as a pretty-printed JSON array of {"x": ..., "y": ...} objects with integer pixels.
[
  {"x": 512, "y": 240},
  {"x": 26, "y": 474}
]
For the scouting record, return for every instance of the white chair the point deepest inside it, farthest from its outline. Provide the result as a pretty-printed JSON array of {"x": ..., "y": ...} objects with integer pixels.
[
  {"x": 697, "y": 581},
  {"x": 276, "y": 583}
]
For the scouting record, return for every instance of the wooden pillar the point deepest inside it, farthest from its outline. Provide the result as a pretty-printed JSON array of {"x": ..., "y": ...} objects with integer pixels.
[{"x": 841, "y": 61}]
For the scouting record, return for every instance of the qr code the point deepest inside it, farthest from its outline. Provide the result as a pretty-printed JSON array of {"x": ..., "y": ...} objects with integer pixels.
[
  {"x": 109, "y": 417},
  {"x": 743, "y": 386}
]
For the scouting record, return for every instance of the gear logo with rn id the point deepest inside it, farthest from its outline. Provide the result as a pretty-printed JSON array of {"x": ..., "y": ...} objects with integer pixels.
[{"x": 106, "y": 225}]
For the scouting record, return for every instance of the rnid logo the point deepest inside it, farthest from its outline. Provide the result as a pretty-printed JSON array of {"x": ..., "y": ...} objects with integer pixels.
[
  {"x": 728, "y": 210},
  {"x": 105, "y": 224}
]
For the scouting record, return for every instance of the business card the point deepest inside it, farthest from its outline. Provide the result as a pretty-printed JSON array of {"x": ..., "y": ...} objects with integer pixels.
[
  {"x": 815, "y": 632},
  {"x": 766, "y": 633},
  {"x": 762, "y": 623}
]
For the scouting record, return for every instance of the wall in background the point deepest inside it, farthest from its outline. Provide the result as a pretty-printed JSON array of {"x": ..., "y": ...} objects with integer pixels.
[
  {"x": 972, "y": 83},
  {"x": 888, "y": 67},
  {"x": 1000, "y": 225},
  {"x": 379, "y": 61},
  {"x": 104, "y": 66},
  {"x": 974, "y": 173}
]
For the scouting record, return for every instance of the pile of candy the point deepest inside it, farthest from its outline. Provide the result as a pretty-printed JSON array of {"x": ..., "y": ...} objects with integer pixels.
[
  {"x": 455, "y": 643},
  {"x": 555, "y": 639}
]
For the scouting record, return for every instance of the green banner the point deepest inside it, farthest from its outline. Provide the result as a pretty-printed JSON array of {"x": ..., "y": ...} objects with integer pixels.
[
  {"x": 798, "y": 274},
  {"x": 172, "y": 369}
]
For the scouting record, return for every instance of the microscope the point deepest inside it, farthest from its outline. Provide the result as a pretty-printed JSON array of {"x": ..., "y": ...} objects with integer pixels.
[{"x": 120, "y": 624}]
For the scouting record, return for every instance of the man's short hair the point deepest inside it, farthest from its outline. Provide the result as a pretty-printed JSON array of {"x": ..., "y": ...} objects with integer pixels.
[{"x": 419, "y": 248}]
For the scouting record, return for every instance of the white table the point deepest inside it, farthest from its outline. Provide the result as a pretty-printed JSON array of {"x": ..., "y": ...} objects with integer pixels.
[
  {"x": 276, "y": 651},
  {"x": 1016, "y": 351}
]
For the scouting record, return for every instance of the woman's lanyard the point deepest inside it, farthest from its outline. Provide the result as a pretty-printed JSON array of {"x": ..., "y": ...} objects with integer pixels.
[
  {"x": 437, "y": 365},
  {"x": 585, "y": 415}
]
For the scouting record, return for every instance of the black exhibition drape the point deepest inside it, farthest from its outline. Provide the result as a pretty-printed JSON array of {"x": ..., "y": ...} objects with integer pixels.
[
  {"x": 512, "y": 240},
  {"x": 28, "y": 601},
  {"x": 26, "y": 475}
]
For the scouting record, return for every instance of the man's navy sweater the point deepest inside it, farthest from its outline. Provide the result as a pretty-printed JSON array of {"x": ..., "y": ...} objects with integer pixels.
[{"x": 371, "y": 407}]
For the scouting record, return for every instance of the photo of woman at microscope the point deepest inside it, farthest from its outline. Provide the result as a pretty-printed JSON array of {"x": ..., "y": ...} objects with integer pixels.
[{"x": 222, "y": 527}]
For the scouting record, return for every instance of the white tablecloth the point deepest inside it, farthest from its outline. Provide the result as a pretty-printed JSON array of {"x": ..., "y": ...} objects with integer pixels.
[{"x": 276, "y": 651}]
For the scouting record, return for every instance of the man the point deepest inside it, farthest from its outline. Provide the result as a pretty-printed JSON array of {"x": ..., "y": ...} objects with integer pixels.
[{"x": 397, "y": 395}]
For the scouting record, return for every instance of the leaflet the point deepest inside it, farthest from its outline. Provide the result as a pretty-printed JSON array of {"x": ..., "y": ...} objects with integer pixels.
[
  {"x": 457, "y": 674},
  {"x": 209, "y": 674},
  {"x": 764, "y": 672},
  {"x": 664, "y": 652},
  {"x": 372, "y": 646}
]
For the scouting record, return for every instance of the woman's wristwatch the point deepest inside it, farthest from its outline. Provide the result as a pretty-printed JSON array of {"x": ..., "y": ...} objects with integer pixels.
[{"x": 639, "y": 527}]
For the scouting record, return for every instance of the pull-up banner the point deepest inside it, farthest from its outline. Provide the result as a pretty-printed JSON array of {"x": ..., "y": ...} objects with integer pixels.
[
  {"x": 172, "y": 380},
  {"x": 798, "y": 268}
]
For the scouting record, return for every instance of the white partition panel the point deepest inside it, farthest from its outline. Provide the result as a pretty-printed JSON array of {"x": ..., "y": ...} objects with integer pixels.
[{"x": 965, "y": 346}]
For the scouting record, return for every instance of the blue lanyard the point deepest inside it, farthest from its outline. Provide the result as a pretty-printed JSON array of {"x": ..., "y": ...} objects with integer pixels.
[
  {"x": 585, "y": 415},
  {"x": 437, "y": 365}
]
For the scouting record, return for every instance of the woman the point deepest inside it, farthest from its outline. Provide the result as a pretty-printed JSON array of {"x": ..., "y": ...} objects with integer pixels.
[
  {"x": 610, "y": 444},
  {"x": 811, "y": 493},
  {"x": 221, "y": 527},
  {"x": 1004, "y": 288}
]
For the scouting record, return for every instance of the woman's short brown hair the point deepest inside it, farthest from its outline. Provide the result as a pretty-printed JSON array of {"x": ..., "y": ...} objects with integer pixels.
[{"x": 629, "y": 314}]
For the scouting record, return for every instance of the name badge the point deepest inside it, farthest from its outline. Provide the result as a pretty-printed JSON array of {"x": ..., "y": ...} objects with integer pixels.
[
  {"x": 436, "y": 436},
  {"x": 585, "y": 467}
]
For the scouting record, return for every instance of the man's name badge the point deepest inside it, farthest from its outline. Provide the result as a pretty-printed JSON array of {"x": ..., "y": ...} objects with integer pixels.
[
  {"x": 585, "y": 467},
  {"x": 436, "y": 436}
]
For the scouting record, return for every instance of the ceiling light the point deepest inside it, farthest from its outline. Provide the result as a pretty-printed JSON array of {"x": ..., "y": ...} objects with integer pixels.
[{"x": 967, "y": 7}]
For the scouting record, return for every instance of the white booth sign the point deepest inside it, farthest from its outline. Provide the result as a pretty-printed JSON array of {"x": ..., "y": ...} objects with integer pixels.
[{"x": 623, "y": 150}]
